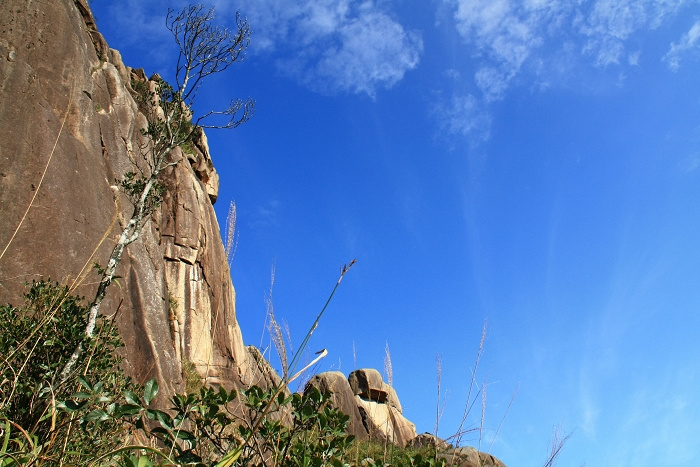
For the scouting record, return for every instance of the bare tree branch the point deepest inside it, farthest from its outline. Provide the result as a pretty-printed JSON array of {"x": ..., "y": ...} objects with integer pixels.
[{"x": 205, "y": 49}]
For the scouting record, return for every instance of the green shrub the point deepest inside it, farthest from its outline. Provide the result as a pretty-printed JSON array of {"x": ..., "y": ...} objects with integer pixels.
[
  {"x": 37, "y": 340},
  {"x": 96, "y": 416}
]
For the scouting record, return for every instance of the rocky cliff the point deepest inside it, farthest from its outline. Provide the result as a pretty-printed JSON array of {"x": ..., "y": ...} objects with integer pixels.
[{"x": 69, "y": 127}]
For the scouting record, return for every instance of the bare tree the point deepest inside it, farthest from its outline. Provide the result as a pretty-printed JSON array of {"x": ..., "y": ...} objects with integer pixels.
[{"x": 205, "y": 49}]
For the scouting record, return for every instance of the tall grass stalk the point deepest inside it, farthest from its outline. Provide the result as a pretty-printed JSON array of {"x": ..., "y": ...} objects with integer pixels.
[
  {"x": 275, "y": 329},
  {"x": 388, "y": 369},
  {"x": 473, "y": 385},
  {"x": 440, "y": 405},
  {"x": 512, "y": 398},
  {"x": 231, "y": 235},
  {"x": 231, "y": 458},
  {"x": 556, "y": 446}
]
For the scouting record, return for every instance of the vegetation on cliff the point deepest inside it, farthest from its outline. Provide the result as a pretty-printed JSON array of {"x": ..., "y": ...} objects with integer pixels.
[{"x": 98, "y": 416}]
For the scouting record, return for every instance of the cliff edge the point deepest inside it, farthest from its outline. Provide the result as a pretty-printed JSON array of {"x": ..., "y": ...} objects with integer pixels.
[{"x": 70, "y": 127}]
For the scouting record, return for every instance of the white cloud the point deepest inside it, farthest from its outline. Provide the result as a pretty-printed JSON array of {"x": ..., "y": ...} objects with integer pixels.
[
  {"x": 372, "y": 51},
  {"x": 633, "y": 58},
  {"x": 462, "y": 116},
  {"x": 515, "y": 36},
  {"x": 266, "y": 215},
  {"x": 505, "y": 33},
  {"x": 687, "y": 43},
  {"x": 332, "y": 45},
  {"x": 492, "y": 82},
  {"x": 608, "y": 25}
]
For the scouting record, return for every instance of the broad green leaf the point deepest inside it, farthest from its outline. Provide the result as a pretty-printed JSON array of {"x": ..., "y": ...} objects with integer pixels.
[
  {"x": 85, "y": 383},
  {"x": 150, "y": 390},
  {"x": 82, "y": 395},
  {"x": 126, "y": 409},
  {"x": 185, "y": 435},
  {"x": 131, "y": 398},
  {"x": 98, "y": 415}
]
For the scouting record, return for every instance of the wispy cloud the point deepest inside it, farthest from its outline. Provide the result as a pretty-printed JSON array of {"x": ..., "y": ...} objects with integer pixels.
[
  {"x": 608, "y": 24},
  {"x": 510, "y": 36},
  {"x": 462, "y": 116},
  {"x": 536, "y": 41},
  {"x": 333, "y": 46},
  {"x": 141, "y": 26},
  {"x": 504, "y": 33},
  {"x": 266, "y": 215},
  {"x": 688, "y": 42}
]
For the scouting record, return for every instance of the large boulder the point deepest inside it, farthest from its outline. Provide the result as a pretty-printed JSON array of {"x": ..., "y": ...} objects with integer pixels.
[
  {"x": 427, "y": 440},
  {"x": 369, "y": 385},
  {"x": 373, "y": 406},
  {"x": 342, "y": 398},
  {"x": 469, "y": 457}
]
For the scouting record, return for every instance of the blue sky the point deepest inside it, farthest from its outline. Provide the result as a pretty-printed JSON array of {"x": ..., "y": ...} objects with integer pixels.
[{"x": 535, "y": 164}]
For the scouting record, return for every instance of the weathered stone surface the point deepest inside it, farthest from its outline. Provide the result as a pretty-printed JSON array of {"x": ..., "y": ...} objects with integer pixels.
[
  {"x": 382, "y": 421},
  {"x": 470, "y": 457},
  {"x": 371, "y": 404},
  {"x": 66, "y": 109},
  {"x": 369, "y": 385},
  {"x": 342, "y": 398},
  {"x": 426, "y": 440}
]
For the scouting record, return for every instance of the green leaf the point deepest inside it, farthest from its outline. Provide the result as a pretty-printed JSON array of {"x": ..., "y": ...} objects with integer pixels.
[
  {"x": 132, "y": 398},
  {"x": 126, "y": 410},
  {"x": 164, "y": 419},
  {"x": 85, "y": 383},
  {"x": 185, "y": 435},
  {"x": 188, "y": 457},
  {"x": 150, "y": 391},
  {"x": 6, "y": 439},
  {"x": 71, "y": 406},
  {"x": 98, "y": 415}
]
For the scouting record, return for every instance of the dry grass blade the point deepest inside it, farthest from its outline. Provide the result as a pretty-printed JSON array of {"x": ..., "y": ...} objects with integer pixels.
[
  {"x": 515, "y": 392},
  {"x": 556, "y": 446},
  {"x": 472, "y": 385},
  {"x": 275, "y": 329}
]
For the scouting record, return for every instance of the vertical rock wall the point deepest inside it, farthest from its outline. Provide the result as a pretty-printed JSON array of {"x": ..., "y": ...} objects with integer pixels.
[{"x": 67, "y": 114}]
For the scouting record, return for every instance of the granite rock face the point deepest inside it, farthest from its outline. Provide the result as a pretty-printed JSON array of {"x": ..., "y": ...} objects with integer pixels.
[
  {"x": 69, "y": 126},
  {"x": 373, "y": 406}
]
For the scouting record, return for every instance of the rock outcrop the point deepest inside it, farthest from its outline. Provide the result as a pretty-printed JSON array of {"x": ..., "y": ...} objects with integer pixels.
[
  {"x": 373, "y": 406},
  {"x": 470, "y": 457},
  {"x": 69, "y": 126}
]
